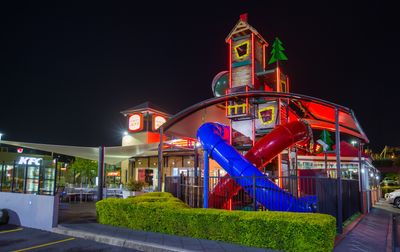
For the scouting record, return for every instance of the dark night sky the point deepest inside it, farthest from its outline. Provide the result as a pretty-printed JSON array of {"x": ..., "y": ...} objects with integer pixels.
[{"x": 68, "y": 69}]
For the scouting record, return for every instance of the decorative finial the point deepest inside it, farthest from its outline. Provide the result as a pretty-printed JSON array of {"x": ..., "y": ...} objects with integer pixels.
[{"x": 243, "y": 17}]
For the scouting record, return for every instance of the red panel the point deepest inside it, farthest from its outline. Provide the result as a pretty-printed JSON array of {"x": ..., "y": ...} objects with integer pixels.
[{"x": 141, "y": 175}]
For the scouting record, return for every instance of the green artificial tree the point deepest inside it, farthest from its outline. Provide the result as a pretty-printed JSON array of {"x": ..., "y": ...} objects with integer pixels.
[
  {"x": 327, "y": 139},
  {"x": 277, "y": 53}
]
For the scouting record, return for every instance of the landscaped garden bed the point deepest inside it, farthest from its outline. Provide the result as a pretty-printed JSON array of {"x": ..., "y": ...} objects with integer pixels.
[{"x": 161, "y": 212}]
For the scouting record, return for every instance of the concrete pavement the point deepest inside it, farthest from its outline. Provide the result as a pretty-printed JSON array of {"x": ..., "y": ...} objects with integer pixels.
[
  {"x": 373, "y": 233},
  {"x": 146, "y": 241}
]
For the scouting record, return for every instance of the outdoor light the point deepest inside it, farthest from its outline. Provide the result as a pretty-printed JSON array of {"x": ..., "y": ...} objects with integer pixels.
[
  {"x": 1, "y": 134},
  {"x": 188, "y": 162},
  {"x": 372, "y": 175},
  {"x": 377, "y": 177},
  {"x": 125, "y": 133},
  {"x": 362, "y": 170},
  {"x": 353, "y": 142},
  {"x": 198, "y": 144}
]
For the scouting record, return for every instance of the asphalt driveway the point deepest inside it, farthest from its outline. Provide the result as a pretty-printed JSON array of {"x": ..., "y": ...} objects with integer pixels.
[{"x": 14, "y": 238}]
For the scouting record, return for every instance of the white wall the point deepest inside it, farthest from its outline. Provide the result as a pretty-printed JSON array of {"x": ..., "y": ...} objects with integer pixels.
[{"x": 29, "y": 210}]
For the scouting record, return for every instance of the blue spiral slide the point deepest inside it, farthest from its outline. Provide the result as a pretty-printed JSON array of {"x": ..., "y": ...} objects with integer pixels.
[{"x": 267, "y": 193}]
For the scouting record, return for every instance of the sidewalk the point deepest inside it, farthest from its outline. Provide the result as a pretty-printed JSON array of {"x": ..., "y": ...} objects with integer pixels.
[
  {"x": 372, "y": 233},
  {"x": 146, "y": 241}
]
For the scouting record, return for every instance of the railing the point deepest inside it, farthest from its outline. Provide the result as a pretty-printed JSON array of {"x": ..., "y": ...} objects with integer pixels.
[{"x": 322, "y": 191}]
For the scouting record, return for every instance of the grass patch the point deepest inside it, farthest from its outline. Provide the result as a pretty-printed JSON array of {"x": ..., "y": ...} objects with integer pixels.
[{"x": 351, "y": 219}]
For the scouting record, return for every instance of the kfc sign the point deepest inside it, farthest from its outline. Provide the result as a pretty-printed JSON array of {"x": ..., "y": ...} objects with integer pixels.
[
  {"x": 29, "y": 161},
  {"x": 135, "y": 122},
  {"x": 158, "y": 121}
]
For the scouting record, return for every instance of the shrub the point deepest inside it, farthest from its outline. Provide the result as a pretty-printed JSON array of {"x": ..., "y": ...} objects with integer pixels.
[
  {"x": 161, "y": 212},
  {"x": 134, "y": 185}
]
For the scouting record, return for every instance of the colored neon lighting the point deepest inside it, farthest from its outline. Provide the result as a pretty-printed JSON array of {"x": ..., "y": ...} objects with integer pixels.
[
  {"x": 280, "y": 171},
  {"x": 264, "y": 51},
  {"x": 236, "y": 107},
  {"x": 247, "y": 102},
  {"x": 278, "y": 88},
  {"x": 252, "y": 60},
  {"x": 272, "y": 109},
  {"x": 230, "y": 63},
  {"x": 238, "y": 47}
]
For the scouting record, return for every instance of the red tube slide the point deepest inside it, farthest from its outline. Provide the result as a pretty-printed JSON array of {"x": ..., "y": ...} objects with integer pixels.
[{"x": 268, "y": 147}]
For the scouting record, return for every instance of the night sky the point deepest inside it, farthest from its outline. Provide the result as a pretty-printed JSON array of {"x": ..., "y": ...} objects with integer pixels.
[{"x": 69, "y": 68}]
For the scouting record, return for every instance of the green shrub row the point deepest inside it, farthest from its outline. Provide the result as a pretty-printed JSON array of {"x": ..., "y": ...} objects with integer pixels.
[{"x": 161, "y": 212}]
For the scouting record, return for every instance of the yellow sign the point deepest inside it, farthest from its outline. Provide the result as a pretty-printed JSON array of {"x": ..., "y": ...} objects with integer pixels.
[{"x": 267, "y": 115}]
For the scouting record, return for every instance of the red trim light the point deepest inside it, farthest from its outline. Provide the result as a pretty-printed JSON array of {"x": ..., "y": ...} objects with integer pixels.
[
  {"x": 135, "y": 122},
  {"x": 230, "y": 63}
]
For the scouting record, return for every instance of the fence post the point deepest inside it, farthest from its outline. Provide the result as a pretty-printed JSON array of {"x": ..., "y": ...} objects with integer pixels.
[
  {"x": 179, "y": 187},
  {"x": 2, "y": 176},
  {"x": 160, "y": 159},
  {"x": 338, "y": 174},
  {"x": 254, "y": 193},
  {"x": 206, "y": 178}
]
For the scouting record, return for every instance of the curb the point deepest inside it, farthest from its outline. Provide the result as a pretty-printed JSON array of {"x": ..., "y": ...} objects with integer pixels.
[
  {"x": 389, "y": 237},
  {"x": 115, "y": 241}
]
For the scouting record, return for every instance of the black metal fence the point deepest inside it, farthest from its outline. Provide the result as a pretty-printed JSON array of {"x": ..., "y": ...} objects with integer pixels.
[{"x": 320, "y": 193}]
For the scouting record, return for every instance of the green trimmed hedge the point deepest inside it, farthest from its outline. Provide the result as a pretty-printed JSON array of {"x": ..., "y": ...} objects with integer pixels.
[{"x": 161, "y": 212}]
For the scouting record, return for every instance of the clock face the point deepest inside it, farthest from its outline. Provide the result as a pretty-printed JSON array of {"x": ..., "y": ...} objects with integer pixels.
[{"x": 242, "y": 50}]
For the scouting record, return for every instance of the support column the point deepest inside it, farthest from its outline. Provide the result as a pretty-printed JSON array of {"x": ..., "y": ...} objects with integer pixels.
[
  {"x": 55, "y": 176},
  {"x": 206, "y": 178},
  {"x": 100, "y": 174},
  {"x": 160, "y": 160},
  {"x": 196, "y": 163},
  {"x": 339, "y": 220}
]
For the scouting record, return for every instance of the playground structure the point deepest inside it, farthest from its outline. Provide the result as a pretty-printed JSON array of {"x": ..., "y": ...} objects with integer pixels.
[{"x": 262, "y": 135}]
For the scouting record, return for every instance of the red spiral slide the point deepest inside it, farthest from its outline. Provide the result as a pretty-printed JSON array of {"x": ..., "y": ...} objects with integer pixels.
[{"x": 268, "y": 147}]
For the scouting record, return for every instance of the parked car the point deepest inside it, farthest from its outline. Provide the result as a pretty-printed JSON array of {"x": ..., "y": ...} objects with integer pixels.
[{"x": 393, "y": 198}]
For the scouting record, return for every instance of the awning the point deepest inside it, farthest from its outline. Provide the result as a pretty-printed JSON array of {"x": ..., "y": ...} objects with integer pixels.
[
  {"x": 113, "y": 155},
  {"x": 318, "y": 113}
]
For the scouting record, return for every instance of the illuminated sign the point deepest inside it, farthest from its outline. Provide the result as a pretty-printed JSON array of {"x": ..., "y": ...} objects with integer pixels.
[
  {"x": 29, "y": 160},
  {"x": 158, "y": 121},
  {"x": 242, "y": 50},
  {"x": 113, "y": 174},
  {"x": 135, "y": 122},
  {"x": 267, "y": 115}
]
